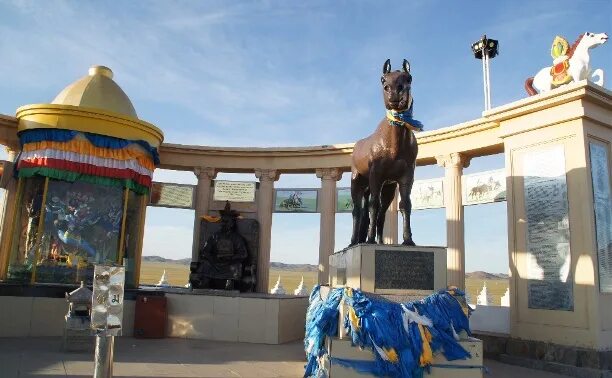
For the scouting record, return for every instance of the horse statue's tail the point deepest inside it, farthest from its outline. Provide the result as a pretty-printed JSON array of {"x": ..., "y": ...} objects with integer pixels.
[{"x": 529, "y": 87}]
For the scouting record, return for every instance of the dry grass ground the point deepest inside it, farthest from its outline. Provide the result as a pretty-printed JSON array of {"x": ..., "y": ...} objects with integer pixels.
[{"x": 178, "y": 275}]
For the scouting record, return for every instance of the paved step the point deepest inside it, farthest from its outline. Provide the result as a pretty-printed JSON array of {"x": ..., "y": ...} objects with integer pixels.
[{"x": 555, "y": 367}]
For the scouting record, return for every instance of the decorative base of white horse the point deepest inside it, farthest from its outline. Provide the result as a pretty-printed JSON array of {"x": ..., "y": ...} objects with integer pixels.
[{"x": 571, "y": 64}]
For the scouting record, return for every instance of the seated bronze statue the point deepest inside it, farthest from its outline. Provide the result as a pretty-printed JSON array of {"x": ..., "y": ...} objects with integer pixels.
[{"x": 221, "y": 260}]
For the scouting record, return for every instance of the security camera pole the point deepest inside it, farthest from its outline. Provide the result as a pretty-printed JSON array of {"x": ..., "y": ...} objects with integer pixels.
[{"x": 485, "y": 49}]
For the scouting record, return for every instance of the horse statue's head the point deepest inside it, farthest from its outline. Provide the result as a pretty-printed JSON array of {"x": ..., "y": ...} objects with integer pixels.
[
  {"x": 591, "y": 40},
  {"x": 396, "y": 87}
]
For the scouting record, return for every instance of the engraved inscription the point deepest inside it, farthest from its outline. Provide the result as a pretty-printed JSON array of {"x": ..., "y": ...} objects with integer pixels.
[
  {"x": 171, "y": 195},
  {"x": 602, "y": 201},
  {"x": 404, "y": 270},
  {"x": 234, "y": 191},
  {"x": 548, "y": 234}
]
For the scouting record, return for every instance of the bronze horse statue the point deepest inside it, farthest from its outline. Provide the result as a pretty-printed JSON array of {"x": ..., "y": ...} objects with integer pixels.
[{"x": 384, "y": 160}]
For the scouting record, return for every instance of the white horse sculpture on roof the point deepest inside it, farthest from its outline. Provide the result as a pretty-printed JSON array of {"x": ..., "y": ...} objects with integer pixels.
[{"x": 571, "y": 63}]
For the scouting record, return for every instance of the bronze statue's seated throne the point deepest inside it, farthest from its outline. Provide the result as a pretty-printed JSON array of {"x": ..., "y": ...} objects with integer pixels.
[{"x": 227, "y": 259}]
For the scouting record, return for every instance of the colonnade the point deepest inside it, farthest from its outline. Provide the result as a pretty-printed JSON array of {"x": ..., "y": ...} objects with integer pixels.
[{"x": 453, "y": 164}]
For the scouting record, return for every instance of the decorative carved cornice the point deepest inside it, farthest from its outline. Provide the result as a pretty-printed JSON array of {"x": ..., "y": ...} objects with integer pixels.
[
  {"x": 267, "y": 174},
  {"x": 453, "y": 160},
  {"x": 329, "y": 173},
  {"x": 205, "y": 173}
]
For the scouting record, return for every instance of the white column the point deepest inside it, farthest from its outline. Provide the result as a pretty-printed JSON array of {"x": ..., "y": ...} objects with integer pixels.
[
  {"x": 265, "y": 206},
  {"x": 453, "y": 201},
  {"x": 205, "y": 176},
  {"x": 7, "y": 208},
  {"x": 327, "y": 230}
]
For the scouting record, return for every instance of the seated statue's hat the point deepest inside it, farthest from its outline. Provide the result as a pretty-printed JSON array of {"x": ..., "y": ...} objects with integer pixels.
[{"x": 227, "y": 211}]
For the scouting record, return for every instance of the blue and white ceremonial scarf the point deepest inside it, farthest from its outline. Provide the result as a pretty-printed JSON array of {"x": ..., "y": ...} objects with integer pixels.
[{"x": 404, "y": 119}]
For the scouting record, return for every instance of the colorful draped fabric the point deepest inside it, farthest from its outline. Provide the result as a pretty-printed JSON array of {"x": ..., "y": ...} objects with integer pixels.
[
  {"x": 75, "y": 156},
  {"x": 402, "y": 337}
]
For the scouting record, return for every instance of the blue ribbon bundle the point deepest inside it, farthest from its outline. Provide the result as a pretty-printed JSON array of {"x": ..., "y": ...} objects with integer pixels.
[
  {"x": 321, "y": 322},
  {"x": 402, "y": 337}
]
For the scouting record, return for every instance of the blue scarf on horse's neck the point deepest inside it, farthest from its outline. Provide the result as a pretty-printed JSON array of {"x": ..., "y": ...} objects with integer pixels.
[{"x": 404, "y": 119}]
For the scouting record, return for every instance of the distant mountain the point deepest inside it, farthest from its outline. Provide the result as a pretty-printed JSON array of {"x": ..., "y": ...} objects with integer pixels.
[
  {"x": 159, "y": 259},
  {"x": 480, "y": 275},
  {"x": 294, "y": 267},
  {"x": 273, "y": 265}
]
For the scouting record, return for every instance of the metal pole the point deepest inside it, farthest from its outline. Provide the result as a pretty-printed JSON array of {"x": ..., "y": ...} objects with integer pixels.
[
  {"x": 104, "y": 357},
  {"x": 488, "y": 81},
  {"x": 484, "y": 79}
]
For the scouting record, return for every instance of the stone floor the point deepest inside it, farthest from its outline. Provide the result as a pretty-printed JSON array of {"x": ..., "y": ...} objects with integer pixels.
[{"x": 42, "y": 357}]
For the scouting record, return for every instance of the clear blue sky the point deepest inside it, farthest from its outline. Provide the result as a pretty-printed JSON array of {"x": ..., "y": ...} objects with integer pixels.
[{"x": 289, "y": 73}]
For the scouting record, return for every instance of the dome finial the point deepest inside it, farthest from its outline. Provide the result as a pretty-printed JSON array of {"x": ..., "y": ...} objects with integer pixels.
[{"x": 100, "y": 70}]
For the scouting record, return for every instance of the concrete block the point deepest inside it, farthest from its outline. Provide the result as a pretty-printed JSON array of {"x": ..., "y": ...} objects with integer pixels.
[
  {"x": 48, "y": 316},
  {"x": 252, "y": 311},
  {"x": 292, "y": 319},
  {"x": 190, "y": 316},
  {"x": 343, "y": 349},
  {"x": 226, "y": 305},
  {"x": 128, "y": 318},
  {"x": 271, "y": 320},
  {"x": 225, "y": 327},
  {"x": 15, "y": 316},
  {"x": 254, "y": 306},
  {"x": 495, "y": 319}
]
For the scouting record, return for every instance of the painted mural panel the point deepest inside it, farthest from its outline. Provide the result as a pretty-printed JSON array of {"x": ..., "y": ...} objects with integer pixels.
[
  {"x": 344, "y": 203},
  {"x": 427, "y": 194},
  {"x": 484, "y": 187},
  {"x": 296, "y": 201}
]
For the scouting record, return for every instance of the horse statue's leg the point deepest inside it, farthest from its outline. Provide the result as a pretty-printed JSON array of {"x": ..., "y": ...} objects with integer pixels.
[
  {"x": 375, "y": 185},
  {"x": 358, "y": 187},
  {"x": 386, "y": 197},
  {"x": 405, "y": 207}
]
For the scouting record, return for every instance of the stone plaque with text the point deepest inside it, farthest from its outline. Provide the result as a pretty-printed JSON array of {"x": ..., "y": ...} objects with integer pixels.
[
  {"x": 171, "y": 195},
  {"x": 404, "y": 270},
  {"x": 602, "y": 203},
  {"x": 548, "y": 234},
  {"x": 234, "y": 191}
]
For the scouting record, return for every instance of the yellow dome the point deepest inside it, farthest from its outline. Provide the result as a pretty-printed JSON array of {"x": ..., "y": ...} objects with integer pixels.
[{"x": 97, "y": 90}]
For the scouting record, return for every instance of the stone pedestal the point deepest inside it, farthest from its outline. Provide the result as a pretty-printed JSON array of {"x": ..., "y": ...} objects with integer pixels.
[
  {"x": 390, "y": 269},
  {"x": 401, "y": 274},
  {"x": 77, "y": 336},
  {"x": 441, "y": 367}
]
